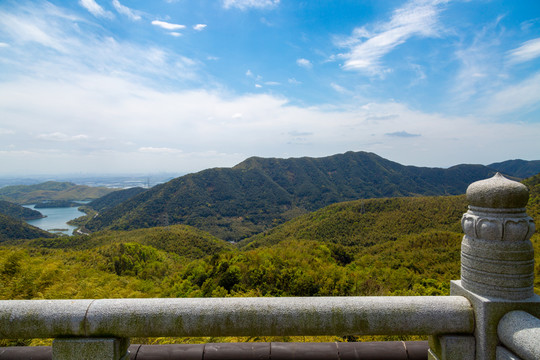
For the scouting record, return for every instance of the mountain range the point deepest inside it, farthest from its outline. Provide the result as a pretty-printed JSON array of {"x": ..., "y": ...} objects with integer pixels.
[
  {"x": 260, "y": 193},
  {"x": 51, "y": 190}
]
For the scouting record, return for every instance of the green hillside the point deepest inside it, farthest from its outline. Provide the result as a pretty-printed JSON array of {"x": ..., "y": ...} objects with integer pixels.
[
  {"x": 364, "y": 223},
  {"x": 407, "y": 246},
  {"x": 518, "y": 168},
  {"x": 18, "y": 212},
  {"x": 257, "y": 194},
  {"x": 51, "y": 190},
  {"x": 114, "y": 198},
  {"x": 184, "y": 241},
  {"x": 12, "y": 228},
  {"x": 391, "y": 246}
]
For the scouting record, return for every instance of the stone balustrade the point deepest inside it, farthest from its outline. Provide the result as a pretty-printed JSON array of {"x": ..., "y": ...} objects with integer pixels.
[
  {"x": 124, "y": 318},
  {"x": 493, "y": 303},
  {"x": 520, "y": 332}
]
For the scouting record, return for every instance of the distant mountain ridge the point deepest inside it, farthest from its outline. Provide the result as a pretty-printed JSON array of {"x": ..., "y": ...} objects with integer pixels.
[
  {"x": 519, "y": 168},
  {"x": 235, "y": 203},
  {"x": 51, "y": 190}
]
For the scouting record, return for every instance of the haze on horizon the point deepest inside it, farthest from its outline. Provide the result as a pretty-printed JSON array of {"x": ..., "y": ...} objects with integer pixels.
[{"x": 131, "y": 86}]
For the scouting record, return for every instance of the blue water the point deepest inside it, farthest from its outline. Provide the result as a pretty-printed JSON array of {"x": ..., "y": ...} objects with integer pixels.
[{"x": 56, "y": 218}]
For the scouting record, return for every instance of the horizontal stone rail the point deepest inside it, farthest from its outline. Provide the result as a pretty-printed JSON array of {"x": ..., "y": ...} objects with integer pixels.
[
  {"x": 519, "y": 331},
  {"x": 125, "y": 318}
]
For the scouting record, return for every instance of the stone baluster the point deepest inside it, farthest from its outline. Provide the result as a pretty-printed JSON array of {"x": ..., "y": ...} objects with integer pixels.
[{"x": 497, "y": 259}]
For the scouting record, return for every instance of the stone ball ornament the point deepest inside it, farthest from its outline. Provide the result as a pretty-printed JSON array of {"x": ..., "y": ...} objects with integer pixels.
[
  {"x": 497, "y": 210},
  {"x": 498, "y": 192}
]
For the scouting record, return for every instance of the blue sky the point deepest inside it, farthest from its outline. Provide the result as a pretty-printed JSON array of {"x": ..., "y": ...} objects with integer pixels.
[{"x": 133, "y": 86}]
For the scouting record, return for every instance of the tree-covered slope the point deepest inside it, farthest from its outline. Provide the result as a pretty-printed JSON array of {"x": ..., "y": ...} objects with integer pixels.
[
  {"x": 184, "y": 241},
  {"x": 11, "y": 229},
  {"x": 389, "y": 246},
  {"x": 18, "y": 212},
  {"x": 518, "y": 168},
  {"x": 51, "y": 190},
  {"x": 114, "y": 198},
  {"x": 364, "y": 223},
  {"x": 235, "y": 203}
]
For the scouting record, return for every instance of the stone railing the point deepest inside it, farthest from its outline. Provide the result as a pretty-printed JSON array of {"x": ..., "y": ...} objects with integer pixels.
[{"x": 492, "y": 312}]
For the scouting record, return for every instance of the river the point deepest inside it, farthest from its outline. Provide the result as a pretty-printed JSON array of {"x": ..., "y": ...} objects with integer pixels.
[{"x": 56, "y": 219}]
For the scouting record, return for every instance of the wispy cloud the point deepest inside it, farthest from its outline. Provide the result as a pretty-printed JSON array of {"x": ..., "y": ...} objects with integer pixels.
[
  {"x": 340, "y": 89},
  {"x": 305, "y": 63},
  {"x": 481, "y": 64},
  {"x": 523, "y": 96},
  {"x": 124, "y": 10},
  {"x": 528, "y": 51},
  {"x": 58, "y": 136},
  {"x": 34, "y": 30},
  {"x": 95, "y": 9},
  {"x": 160, "y": 150},
  {"x": 402, "y": 134},
  {"x": 369, "y": 45},
  {"x": 246, "y": 4},
  {"x": 6, "y": 131},
  {"x": 199, "y": 27},
  {"x": 168, "y": 26}
]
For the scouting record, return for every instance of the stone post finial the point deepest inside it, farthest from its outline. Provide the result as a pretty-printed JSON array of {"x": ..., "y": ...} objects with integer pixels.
[{"x": 497, "y": 258}]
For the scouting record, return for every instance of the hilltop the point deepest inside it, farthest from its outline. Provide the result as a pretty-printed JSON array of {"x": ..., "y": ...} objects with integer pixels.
[
  {"x": 259, "y": 193},
  {"x": 19, "y": 212}
]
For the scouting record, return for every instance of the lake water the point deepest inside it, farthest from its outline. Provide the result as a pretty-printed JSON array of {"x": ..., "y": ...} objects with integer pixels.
[{"x": 56, "y": 218}]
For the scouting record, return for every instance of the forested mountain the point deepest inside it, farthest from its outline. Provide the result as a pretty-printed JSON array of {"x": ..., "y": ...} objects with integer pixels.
[
  {"x": 51, "y": 190},
  {"x": 235, "y": 203},
  {"x": 390, "y": 246},
  {"x": 364, "y": 223},
  {"x": 114, "y": 198},
  {"x": 11, "y": 228},
  {"x": 18, "y": 212},
  {"x": 518, "y": 168}
]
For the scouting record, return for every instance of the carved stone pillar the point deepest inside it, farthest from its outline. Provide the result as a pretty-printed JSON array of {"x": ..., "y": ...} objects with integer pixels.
[{"x": 497, "y": 258}]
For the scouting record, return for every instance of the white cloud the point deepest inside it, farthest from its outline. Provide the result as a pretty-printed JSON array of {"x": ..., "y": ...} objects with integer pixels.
[
  {"x": 305, "y": 63},
  {"x": 26, "y": 27},
  {"x": 199, "y": 27},
  {"x": 3, "y": 44},
  {"x": 340, "y": 89},
  {"x": 33, "y": 31},
  {"x": 528, "y": 51},
  {"x": 160, "y": 150},
  {"x": 522, "y": 96},
  {"x": 124, "y": 10},
  {"x": 6, "y": 131},
  {"x": 168, "y": 26},
  {"x": 144, "y": 128},
  {"x": 58, "y": 136},
  {"x": 95, "y": 9},
  {"x": 293, "y": 81},
  {"x": 246, "y": 4},
  {"x": 367, "y": 47}
]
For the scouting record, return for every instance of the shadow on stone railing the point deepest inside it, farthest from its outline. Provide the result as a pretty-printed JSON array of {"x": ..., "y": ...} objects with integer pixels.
[{"x": 497, "y": 277}]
